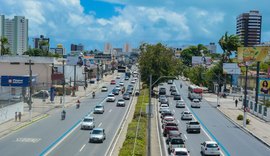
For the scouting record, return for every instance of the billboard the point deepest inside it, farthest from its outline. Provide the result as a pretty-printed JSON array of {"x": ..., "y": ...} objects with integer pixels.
[
  {"x": 80, "y": 60},
  {"x": 264, "y": 87},
  {"x": 196, "y": 60},
  {"x": 255, "y": 54},
  {"x": 16, "y": 81},
  {"x": 231, "y": 68}
]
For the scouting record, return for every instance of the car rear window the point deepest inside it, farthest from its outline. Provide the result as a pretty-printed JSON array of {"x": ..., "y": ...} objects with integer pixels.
[
  {"x": 194, "y": 123},
  {"x": 177, "y": 141},
  {"x": 87, "y": 120},
  {"x": 182, "y": 153},
  {"x": 96, "y": 132},
  {"x": 212, "y": 145}
]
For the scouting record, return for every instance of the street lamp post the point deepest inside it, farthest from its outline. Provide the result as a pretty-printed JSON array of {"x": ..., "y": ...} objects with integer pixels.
[{"x": 245, "y": 97}]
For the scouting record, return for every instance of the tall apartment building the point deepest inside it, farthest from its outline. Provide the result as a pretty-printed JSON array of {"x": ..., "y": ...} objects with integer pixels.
[
  {"x": 76, "y": 47},
  {"x": 248, "y": 28},
  {"x": 127, "y": 47},
  {"x": 16, "y": 31},
  {"x": 107, "y": 48},
  {"x": 42, "y": 43}
]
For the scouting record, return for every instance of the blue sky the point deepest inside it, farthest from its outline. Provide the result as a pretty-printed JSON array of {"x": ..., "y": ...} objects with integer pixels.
[{"x": 171, "y": 22}]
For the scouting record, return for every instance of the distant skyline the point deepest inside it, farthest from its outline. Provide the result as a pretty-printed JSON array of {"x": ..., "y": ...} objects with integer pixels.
[{"x": 96, "y": 22}]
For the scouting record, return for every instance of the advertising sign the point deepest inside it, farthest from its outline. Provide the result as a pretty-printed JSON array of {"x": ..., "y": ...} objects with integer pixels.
[
  {"x": 16, "y": 81},
  {"x": 75, "y": 60},
  {"x": 88, "y": 60},
  {"x": 231, "y": 68},
  {"x": 255, "y": 54},
  {"x": 196, "y": 60},
  {"x": 264, "y": 87}
]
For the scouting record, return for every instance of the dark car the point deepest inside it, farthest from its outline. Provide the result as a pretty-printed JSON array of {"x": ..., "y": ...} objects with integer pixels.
[
  {"x": 171, "y": 134},
  {"x": 126, "y": 96},
  {"x": 115, "y": 91},
  {"x": 162, "y": 91},
  {"x": 129, "y": 91},
  {"x": 43, "y": 94},
  {"x": 177, "y": 96},
  {"x": 172, "y": 88}
]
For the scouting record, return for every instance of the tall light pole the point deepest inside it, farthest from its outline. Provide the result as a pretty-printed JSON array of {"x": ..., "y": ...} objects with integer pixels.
[
  {"x": 245, "y": 97},
  {"x": 63, "y": 83},
  {"x": 30, "y": 89}
]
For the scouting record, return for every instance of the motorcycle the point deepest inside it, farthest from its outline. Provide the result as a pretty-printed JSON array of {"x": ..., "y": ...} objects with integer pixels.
[
  {"x": 78, "y": 105},
  {"x": 63, "y": 115},
  {"x": 93, "y": 95},
  {"x": 180, "y": 85}
]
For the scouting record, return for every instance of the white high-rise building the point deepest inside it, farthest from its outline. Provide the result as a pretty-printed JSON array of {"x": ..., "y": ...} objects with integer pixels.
[
  {"x": 16, "y": 31},
  {"x": 107, "y": 48}
]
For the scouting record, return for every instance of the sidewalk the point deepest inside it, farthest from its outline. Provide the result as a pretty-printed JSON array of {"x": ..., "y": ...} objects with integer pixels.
[
  {"x": 42, "y": 109},
  {"x": 257, "y": 127}
]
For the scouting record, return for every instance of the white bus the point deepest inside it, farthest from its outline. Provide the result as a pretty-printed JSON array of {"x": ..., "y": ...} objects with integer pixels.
[{"x": 194, "y": 92}]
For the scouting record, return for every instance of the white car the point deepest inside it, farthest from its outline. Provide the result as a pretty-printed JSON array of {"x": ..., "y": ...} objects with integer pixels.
[
  {"x": 121, "y": 83},
  {"x": 118, "y": 87},
  {"x": 164, "y": 105},
  {"x": 110, "y": 98},
  {"x": 121, "y": 102},
  {"x": 118, "y": 77},
  {"x": 104, "y": 89},
  {"x": 186, "y": 115},
  {"x": 180, "y": 104},
  {"x": 88, "y": 122},
  {"x": 99, "y": 109},
  {"x": 181, "y": 152},
  {"x": 195, "y": 103},
  {"x": 162, "y": 109},
  {"x": 133, "y": 81},
  {"x": 210, "y": 148}
]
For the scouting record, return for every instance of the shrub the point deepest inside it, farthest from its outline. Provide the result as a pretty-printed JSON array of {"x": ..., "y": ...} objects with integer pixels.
[
  {"x": 247, "y": 121},
  {"x": 240, "y": 117}
]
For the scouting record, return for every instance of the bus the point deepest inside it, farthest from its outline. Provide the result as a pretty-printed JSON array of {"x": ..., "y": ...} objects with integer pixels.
[{"x": 194, "y": 92}]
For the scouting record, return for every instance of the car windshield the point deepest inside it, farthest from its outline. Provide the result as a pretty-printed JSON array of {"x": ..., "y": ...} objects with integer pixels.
[
  {"x": 177, "y": 141},
  {"x": 110, "y": 95},
  {"x": 212, "y": 145},
  {"x": 120, "y": 100},
  {"x": 96, "y": 132},
  {"x": 98, "y": 106},
  {"x": 87, "y": 120},
  {"x": 104, "y": 87},
  {"x": 181, "y": 153},
  {"x": 194, "y": 123}
]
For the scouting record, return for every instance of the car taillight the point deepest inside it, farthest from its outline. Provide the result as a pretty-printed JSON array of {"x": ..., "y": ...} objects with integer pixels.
[
  {"x": 205, "y": 149},
  {"x": 218, "y": 148}
]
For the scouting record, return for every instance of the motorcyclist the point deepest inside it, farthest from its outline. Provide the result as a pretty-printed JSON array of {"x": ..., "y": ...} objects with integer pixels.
[
  {"x": 78, "y": 104},
  {"x": 180, "y": 85},
  {"x": 93, "y": 94},
  {"x": 63, "y": 114}
]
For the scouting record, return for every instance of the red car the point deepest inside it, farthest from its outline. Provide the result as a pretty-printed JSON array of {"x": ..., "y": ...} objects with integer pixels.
[
  {"x": 113, "y": 82},
  {"x": 169, "y": 128}
]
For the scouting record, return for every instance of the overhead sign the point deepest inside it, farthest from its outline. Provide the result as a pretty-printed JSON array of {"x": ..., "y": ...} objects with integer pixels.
[
  {"x": 264, "y": 87},
  {"x": 17, "y": 81},
  {"x": 231, "y": 68},
  {"x": 255, "y": 54},
  {"x": 196, "y": 60}
]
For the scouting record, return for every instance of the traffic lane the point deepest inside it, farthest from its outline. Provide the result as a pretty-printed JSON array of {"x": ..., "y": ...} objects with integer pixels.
[
  {"x": 110, "y": 121},
  {"x": 193, "y": 140},
  {"x": 236, "y": 141}
]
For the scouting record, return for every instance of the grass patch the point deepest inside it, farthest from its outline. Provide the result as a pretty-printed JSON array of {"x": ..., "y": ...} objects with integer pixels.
[{"x": 140, "y": 148}]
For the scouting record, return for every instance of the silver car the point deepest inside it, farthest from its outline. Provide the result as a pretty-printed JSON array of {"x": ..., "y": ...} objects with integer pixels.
[
  {"x": 121, "y": 102},
  {"x": 99, "y": 109},
  {"x": 97, "y": 135},
  {"x": 88, "y": 123},
  {"x": 186, "y": 115}
]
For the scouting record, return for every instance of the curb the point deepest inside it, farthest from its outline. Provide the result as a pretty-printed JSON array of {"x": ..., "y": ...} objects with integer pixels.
[
  {"x": 33, "y": 121},
  {"x": 244, "y": 129}
]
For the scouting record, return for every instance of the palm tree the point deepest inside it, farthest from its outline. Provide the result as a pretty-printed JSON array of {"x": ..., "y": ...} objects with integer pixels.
[
  {"x": 4, "y": 42},
  {"x": 228, "y": 43}
]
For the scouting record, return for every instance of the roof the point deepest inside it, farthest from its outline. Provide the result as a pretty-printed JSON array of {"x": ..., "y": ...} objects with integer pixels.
[
  {"x": 180, "y": 150},
  {"x": 210, "y": 142}
]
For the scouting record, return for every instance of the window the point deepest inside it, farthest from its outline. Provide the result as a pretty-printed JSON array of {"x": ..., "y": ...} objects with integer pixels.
[
  {"x": 255, "y": 109},
  {"x": 251, "y": 105},
  {"x": 265, "y": 111},
  {"x": 260, "y": 109}
]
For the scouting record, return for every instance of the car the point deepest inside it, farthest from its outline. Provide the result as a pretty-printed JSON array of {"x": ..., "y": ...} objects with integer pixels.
[
  {"x": 173, "y": 92},
  {"x": 170, "y": 82},
  {"x": 210, "y": 148},
  {"x": 99, "y": 109},
  {"x": 130, "y": 87},
  {"x": 110, "y": 98},
  {"x": 180, "y": 152},
  {"x": 121, "y": 83},
  {"x": 177, "y": 96},
  {"x": 171, "y": 134},
  {"x": 42, "y": 94},
  {"x": 113, "y": 82},
  {"x": 186, "y": 115},
  {"x": 167, "y": 129},
  {"x": 162, "y": 91},
  {"x": 161, "y": 109},
  {"x": 117, "y": 87},
  {"x": 133, "y": 81},
  {"x": 180, "y": 104},
  {"x": 172, "y": 88},
  {"x": 195, "y": 103},
  {"x": 121, "y": 102},
  {"x": 166, "y": 113},
  {"x": 164, "y": 101},
  {"x": 97, "y": 135},
  {"x": 118, "y": 76},
  {"x": 169, "y": 124},
  {"x": 163, "y": 105},
  {"x": 176, "y": 142},
  {"x": 126, "y": 78},
  {"x": 126, "y": 96},
  {"x": 104, "y": 89},
  {"x": 167, "y": 119},
  {"x": 88, "y": 122},
  {"x": 92, "y": 81},
  {"x": 161, "y": 97},
  {"x": 115, "y": 91},
  {"x": 193, "y": 126},
  {"x": 129, "y": 91}
]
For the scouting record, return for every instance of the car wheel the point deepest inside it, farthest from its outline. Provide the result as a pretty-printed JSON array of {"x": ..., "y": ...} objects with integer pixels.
[
  {"x": 89, "y": 141},
  {"x": 187, "y": 131}
]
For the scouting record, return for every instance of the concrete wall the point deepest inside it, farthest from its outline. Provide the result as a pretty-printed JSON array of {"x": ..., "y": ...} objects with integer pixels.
[
  {"x": 258, "y": 110},
  {"x": 7, "y": 113}
]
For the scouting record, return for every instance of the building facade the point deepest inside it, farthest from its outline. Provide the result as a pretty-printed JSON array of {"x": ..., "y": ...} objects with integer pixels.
[
  {"x": 248, "y": 28},
  {"x": 16, "y": 31},
  {"x": 212, "y": 47},
  {"x": 42, "y": 43},
  {"x": 107, "y": 48},
  {"x": 76, "y": 47}
]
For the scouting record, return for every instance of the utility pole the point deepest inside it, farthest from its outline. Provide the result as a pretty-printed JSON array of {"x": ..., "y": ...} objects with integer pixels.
[
  {"x": 245, "y": 97},
  {"x": 74, "y": 83},
  {"x": 30, "y": 89},
  {"x": 64, "y": 83},
  {"x": 149, "y": 118}
]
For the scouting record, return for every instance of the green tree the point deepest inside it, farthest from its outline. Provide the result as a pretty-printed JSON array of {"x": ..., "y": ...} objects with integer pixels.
[
  {"x": 157, "y": 60},
  {"x": 228, "y": 44},
  {"x": 196, "y": 75},
  {"x": 214, "y": 75},
  {"x": 4, "y": 50},
  {"x": 186, "y": 54}
]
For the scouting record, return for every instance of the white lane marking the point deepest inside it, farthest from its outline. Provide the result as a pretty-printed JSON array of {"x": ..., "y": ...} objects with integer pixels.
[
  {"x": 28, "y": 140},
  {"x": 185, "y": 136},
  {"x": 173, "y": 111},
  {"x": 110, "y": 110},
  {"x": 100, "y": 124},
  {"x": 178, "y": 121},
  {"x": 82, "y": 147}
]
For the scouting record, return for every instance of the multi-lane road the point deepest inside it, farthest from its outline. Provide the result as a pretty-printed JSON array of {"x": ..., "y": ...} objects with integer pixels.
[
  {"x": 215, "y": 126},
  {"x": 52, "y": 136}
]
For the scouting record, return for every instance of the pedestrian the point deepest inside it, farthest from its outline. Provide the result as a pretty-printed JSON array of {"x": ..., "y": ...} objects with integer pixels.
[
  {"x": 16, "y": 116},
  {"x": 236, "y": 102},
  {"x": 20, "y": 116},
  {"x": 61, "y": 100}
]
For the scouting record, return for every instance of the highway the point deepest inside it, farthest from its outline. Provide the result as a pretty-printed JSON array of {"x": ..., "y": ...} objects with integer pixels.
[
  {"x": 232, "y": 140},
  {"x": 41, "y": 137}
]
